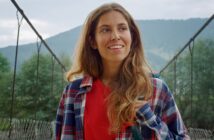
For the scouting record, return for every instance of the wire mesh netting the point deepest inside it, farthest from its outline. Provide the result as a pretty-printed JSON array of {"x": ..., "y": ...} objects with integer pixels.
[{"x": 26, "y": 129}]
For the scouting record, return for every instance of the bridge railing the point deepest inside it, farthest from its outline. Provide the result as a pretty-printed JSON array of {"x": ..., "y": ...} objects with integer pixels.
[
  {"x": 26, "y": 129},
  {"x": 189, "y": 75}
]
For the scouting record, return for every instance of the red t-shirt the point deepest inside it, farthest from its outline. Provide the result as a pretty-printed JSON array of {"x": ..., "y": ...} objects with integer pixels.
[{"x": 96, "y": 123}]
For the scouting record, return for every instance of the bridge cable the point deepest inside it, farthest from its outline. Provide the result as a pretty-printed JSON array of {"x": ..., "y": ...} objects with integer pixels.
[
  {"x": 52, "y": 75},
  {"x": 36, "y": 32},
  {"x": 39, "y": 45},
  {"x": 175, "y": 78},
  {"x": 187, "y": 44},
  {"x": 62, "y": 82},
  {"x": 191, "y": 48},
  {"x": 19, "y": 21}
]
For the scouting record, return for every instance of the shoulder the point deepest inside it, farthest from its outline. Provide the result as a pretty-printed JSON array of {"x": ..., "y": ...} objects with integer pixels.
[
  {"x": 159, "y": 84},
  {"x": 160, "y": 88},
  {"x": 80, "y": 85},
  {"x": 73, "y": 86}
]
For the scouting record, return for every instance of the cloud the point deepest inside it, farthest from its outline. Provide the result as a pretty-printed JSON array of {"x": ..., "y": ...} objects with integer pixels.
[
  {"x": 169, "y": 9},
  {"x": 9, "y": 29}
]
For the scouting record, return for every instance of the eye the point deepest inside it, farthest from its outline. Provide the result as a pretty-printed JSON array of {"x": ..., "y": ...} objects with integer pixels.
[
  {"x": 105, "y": 30},
  {"x": 123, "y": 28}
]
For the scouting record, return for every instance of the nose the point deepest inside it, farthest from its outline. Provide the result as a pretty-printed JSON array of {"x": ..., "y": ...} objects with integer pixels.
[{"x": 115, "y": 35}]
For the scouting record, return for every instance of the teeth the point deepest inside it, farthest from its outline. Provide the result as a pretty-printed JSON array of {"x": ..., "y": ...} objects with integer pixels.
[{"x": 116, "y": 47}]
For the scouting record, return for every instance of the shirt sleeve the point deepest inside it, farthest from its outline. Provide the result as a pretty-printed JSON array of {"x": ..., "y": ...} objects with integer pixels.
[
  {"x": 59, "y": 118},
  {"x": 168, "y": 124}
]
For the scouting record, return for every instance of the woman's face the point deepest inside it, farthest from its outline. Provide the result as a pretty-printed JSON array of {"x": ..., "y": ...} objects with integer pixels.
[{"x": 113, "y": 37}]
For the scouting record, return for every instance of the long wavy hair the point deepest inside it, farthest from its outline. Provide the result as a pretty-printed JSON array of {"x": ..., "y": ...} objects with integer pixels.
[{"x": 133, "y": 79}]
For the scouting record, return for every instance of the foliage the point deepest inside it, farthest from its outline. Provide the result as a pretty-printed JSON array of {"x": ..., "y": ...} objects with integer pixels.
[
  {"x": 4, "y": 64},
  {"x": 39, "y": 84},
  {"x": 38, "y": 87},
  {"x": 5, "y": 86},
  {"x": 196, "y": 103}
]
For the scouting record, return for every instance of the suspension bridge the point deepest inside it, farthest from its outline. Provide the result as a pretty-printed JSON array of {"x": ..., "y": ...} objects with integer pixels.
[{"x": 35, "y": 92}]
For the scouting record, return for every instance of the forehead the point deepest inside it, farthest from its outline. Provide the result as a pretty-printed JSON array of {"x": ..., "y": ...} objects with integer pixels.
[{"x": 111, "y": 18}]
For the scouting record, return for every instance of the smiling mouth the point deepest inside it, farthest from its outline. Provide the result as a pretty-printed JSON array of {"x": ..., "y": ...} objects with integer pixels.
[{"x": 116, "y": 47}]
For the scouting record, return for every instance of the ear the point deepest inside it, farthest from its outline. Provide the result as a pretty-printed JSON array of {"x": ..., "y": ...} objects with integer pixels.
[
  {"x": 92, "y": 43},
  {"x": 94, "y": 46}
]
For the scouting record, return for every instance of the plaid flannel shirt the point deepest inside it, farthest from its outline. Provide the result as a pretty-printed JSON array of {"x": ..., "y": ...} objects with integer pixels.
[{"x": 158, "y": 119}]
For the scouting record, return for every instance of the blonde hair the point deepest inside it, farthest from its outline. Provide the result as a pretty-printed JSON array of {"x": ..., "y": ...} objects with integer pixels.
[{"x": 133, "y": 79}]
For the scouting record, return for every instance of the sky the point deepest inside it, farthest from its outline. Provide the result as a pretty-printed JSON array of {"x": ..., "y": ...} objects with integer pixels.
[{"x": 51, "y": 17}]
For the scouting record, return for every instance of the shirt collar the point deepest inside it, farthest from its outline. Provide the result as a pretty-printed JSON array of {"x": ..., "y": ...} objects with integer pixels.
[{"x": 86, "y": 81}]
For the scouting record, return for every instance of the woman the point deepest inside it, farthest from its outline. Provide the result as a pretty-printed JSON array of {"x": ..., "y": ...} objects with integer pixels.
[{"x": 116, "y": 91}]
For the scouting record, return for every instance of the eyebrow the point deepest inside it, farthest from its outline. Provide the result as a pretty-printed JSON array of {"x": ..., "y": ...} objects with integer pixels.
[{"x": 106, "y": 25}]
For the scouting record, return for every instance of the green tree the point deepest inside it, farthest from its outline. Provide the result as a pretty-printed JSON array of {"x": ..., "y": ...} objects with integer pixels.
[
  {"x": 5, "y": 85},
  {"x": 203, "y": 85},
  {"x": 4, "y": 64},
  {"x": 197, "y": 109},
  {"x": 38, "y": 92}
]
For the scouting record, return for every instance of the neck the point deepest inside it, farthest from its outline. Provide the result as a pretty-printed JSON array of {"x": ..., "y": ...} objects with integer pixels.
[{"x": 110, "y": 72}]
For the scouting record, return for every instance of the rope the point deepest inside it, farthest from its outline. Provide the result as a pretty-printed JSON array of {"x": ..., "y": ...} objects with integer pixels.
[
  {"x": 191, "y": 76},
  {"x": 52, "y": 76},
  {"x": 175, "y": 76},
  {"x": 14, "y": 72},
  {"x": 36, "y": 32},
  {"x": 187, "y": 44},
  {"x": 38, "y": 54},
  {"x": 62, "y": 84},
  {"x": 37, "y": 74}
]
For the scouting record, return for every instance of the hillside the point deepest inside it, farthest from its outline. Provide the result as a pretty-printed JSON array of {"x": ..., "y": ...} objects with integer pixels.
[{"x": 161, "y": 39}]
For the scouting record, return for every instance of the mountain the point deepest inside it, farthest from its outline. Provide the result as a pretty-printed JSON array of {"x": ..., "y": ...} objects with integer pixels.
[{"x": 161, "y": 40}]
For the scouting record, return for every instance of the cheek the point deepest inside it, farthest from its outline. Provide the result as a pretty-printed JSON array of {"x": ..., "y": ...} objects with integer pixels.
[
  {"x": 101, "y": 41},
  {"x": 129, "y": 41},
  {"x": 128, "y": 37}
]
